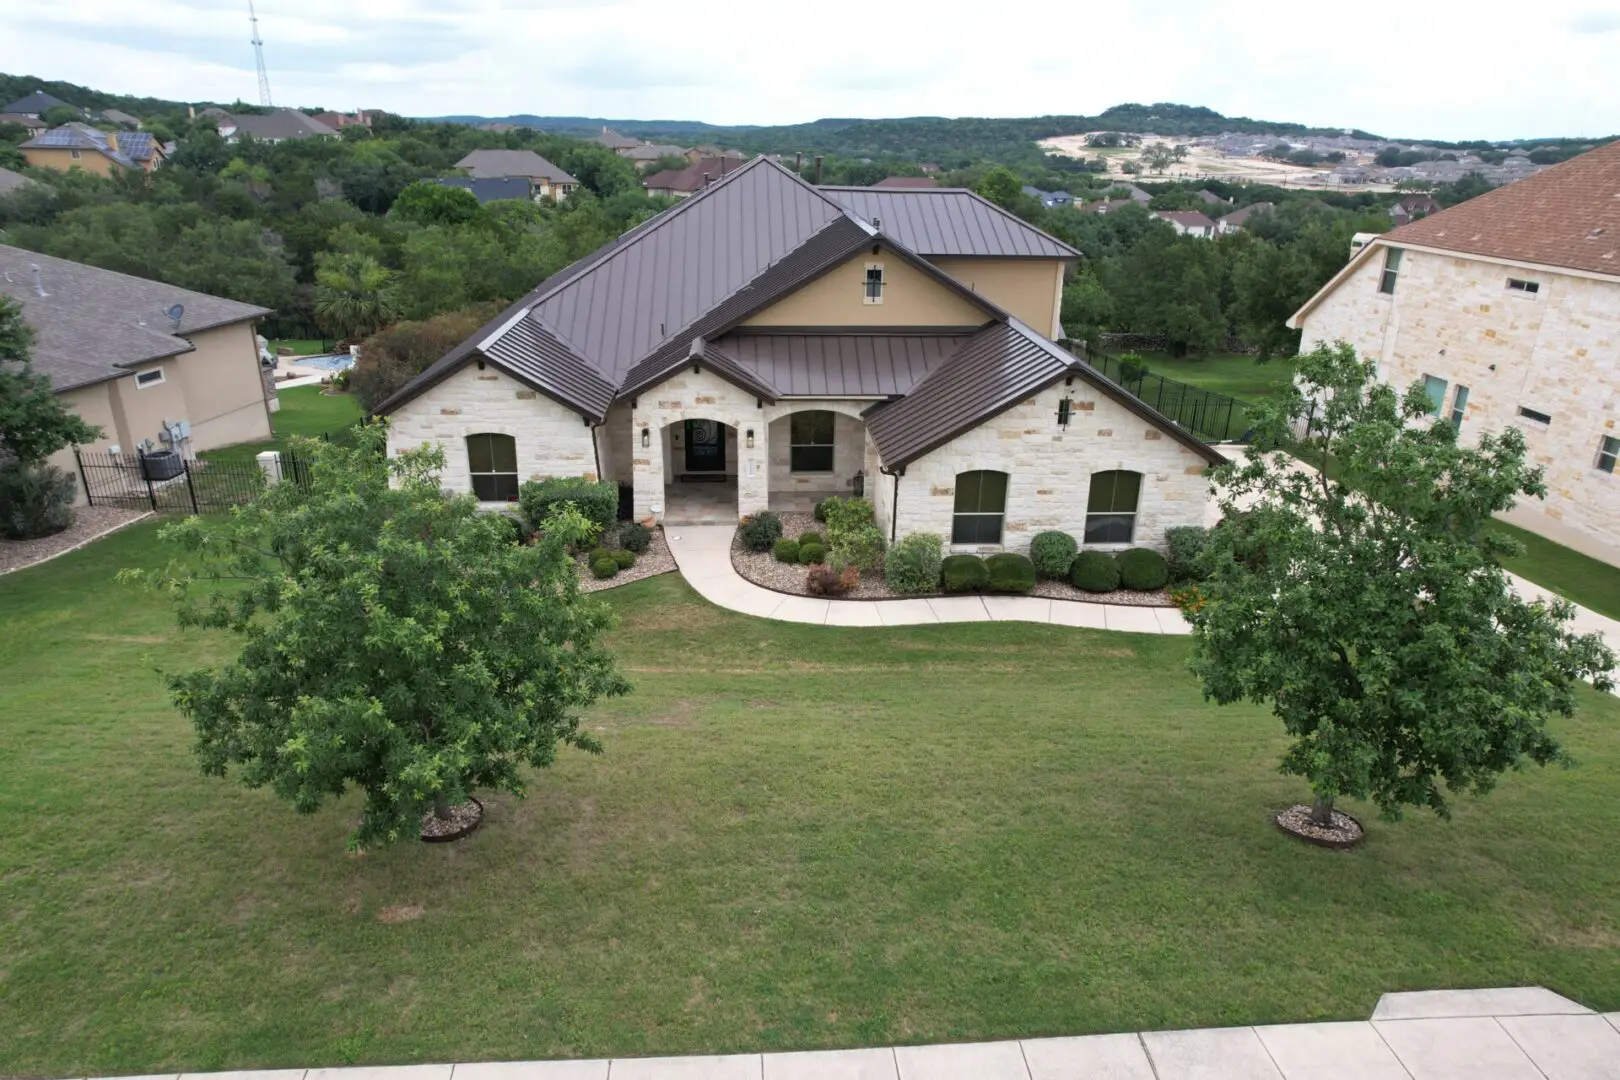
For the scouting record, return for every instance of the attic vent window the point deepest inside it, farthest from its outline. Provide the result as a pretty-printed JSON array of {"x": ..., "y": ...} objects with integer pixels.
[
  {"x": 1532, "y": 414},
  {"x": 874, "y": 283},
  {"x": 150, "y": 377},
  {"x": 1520, "y": 285}
]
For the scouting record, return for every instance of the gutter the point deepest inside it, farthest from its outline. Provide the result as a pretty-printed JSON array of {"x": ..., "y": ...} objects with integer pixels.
[{"x": 894, "y": 507}]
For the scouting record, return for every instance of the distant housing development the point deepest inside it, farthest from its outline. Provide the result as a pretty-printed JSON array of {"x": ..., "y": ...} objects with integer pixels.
[{"x": 1507, "y": 309}]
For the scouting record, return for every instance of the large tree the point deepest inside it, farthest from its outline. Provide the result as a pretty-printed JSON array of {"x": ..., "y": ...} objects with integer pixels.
[
  {"x": 394, "y": 639},
  {"x": 1365, "y": 602},
  {"x": 354, "y": 294}
]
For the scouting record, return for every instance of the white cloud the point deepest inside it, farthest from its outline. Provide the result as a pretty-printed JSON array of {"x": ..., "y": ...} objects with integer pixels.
[{"x": 1459, "y": 71}]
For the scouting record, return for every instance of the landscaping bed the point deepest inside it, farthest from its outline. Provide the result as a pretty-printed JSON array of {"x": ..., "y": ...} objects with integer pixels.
[
  {"x": 88, "y": 522},
  {"x": 650, "y": 563}
]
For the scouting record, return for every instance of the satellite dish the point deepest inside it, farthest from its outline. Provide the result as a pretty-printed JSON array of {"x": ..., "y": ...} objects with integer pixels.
[{"x": 174, "y": 313}]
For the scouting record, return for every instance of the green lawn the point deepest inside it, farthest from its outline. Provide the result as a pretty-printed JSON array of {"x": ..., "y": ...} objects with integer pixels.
[
  {"x": 1225, "y": 373},
  {"x": 304, "y": 411},
  {"x": 1568, "y": 573},
  {"x": 798, "y": 837},
  {"x": 300, "y": 346}
]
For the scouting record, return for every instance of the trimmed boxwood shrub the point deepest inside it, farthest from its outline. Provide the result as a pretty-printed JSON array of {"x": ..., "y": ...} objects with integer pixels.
[
  {"x": 604, "y": 568},
  {"x": 598, "y": 500},
  {"x": 811, "y": 553},
  {"x": 912, "y": 565},
  {"x": 625, "y": 559},
  {"x": 761, "y": 531},
  {"x": 1186, "y": 543},
  {"x": 821, "y": 508},
  {"x": 812, "y": 537},
  {"x": 1009, "y": 572},
  {"x": 1142, "y": 569},
  {"x": 1052, "y": 552},
  {"x": 634, "y": 536},
  {"x": 596, "y": 555},
  {"x": 786, "y": 550},
  {"x": 1094, "y": 571},
  {"x": 35, "y": 500},
  {"x": 963, "y": 573}
]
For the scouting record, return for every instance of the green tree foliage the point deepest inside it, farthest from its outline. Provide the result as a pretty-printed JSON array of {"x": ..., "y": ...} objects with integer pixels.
[
  {"x": 354, "y": 295},
  {"x": 1371, "y": 610},
  {"x": 1088, "y": 309},
  {"x": 427, "y": 203},
  {"x": 435, "y": 657},
  {"x": 1170, "y": 286},
  {"x": 34, "y": 424},
  {"x": 391, "y": 357}
]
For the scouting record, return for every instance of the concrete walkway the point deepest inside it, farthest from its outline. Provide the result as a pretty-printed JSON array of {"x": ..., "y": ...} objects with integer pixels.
[{"x": 1514, "y": 1034}]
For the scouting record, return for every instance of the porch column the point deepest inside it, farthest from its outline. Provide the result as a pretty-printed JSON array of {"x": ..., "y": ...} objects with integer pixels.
[
  {"x": 753, "y": 464},
  {"x": 646, "y": 466}
]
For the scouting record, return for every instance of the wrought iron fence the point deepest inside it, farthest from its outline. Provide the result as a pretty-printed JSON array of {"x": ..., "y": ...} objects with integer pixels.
[
  {"x": 171, "y": 484},
  {"x": 1207, "y": 414}
]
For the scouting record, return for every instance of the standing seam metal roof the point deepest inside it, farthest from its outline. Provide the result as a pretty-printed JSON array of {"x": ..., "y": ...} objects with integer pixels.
[
  {"x": 841, "y": 365},
  {"x": 531, "y": 349},
  {"x": 949, "y": 222}
]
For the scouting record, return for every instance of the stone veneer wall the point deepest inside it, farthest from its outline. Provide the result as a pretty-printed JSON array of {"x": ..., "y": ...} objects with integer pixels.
[
  {"x": 1049, "y": 471},
  {"x": 552, "y": 439},
  {"x": 849, "y": 453},
  {"x": 1556, "y": 351}
]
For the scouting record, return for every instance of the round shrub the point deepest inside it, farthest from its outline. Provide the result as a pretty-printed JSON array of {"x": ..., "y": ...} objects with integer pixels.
[
  {"x": 1186, "y": 544},
  {"x": 821, "y": 508},
  {"x": 761, "y": 531},
  {"x": 1094, "y": 571},
  {"x": 625, "y": 559},
  {"x": 812, "y": 537},
  {"x": 811, "y": 553},
  {"x": 912, "y": 566},
  {"x": 1142, "y": 569},
  {"x": 35, "y": 500},
  {"x": 963, "y": 573},
  {"x": 786, "y": 550},
  {"x": 596, "y": 555},
  {"x": 604, "y": 568},
  {"x": 1052, "y": 552},
  {"x": 1009, "y": 572},
  {"x": 634, "y": 536}
]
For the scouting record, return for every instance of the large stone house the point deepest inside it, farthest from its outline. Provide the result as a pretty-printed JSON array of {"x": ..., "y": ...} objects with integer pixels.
[
  {"x": 1507, "y": 308},
  {"x": 768, "y": 343},
  {"x": 545, "y": 180}
]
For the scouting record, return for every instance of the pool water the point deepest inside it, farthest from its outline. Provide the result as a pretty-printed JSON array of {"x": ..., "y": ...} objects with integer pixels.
[{"x": 331, "y": 362}]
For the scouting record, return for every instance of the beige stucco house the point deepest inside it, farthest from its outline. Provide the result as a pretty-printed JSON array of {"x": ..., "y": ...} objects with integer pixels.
[
  {"x": 546, "y": 181},
  {"x": 778, "y": 342},
  {"x": 138, "y": 357},
  {"x": 1507, "y": 309},
  {"x": 104, "y": 153}
]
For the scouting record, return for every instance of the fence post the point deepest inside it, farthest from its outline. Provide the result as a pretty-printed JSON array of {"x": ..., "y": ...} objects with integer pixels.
[
  {"x": 146, "y": 474},
  {"x": 270, "y": 462},
  {"x": 190, "y": 487},
  {"x": 84, "y": 477}
]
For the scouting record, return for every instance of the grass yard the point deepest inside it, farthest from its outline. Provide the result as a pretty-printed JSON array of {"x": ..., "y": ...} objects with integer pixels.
[
  {"x": 1567, "y": 572},
  {"x": 798, "y": 837},
  {"x": 300, "y": 346},
  {"x": 1225, "y": 373},
  {"x": 304, "y": 411}
]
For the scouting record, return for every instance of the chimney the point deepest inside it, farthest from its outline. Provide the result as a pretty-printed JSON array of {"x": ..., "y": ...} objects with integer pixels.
[
  {"x": 39, "y": 282},
  {"x": 707, "y": 179},
  {"x": 798, "y": 162},
  {"x": 818, "y": 169}
]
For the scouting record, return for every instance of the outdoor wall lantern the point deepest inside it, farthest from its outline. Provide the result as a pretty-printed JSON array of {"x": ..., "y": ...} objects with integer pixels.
[
  {"x": 860, "y": 484},
  {"x": 750, "y": 438},
  {"x": 1065, "y": 407},
  {"x": 646, "y": 438}
]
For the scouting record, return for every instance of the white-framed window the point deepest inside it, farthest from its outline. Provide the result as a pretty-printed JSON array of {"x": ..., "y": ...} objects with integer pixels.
[
  {"x": 149, "y": 377},
  {"x": 1535, "y": 415},
  {"x": 1520, "y": 285},
  {"x": 1435, "y": 387},
  {"x": 874, "y": 284},
  {"x": 1459, "y": 405},
  {"x": 810, "y": 441},
  {"x": 1111, "y": 506},
  {"x": 492, "y": 462},
  {"x": 1608, "y": 451},
  {"x": 1392, "y": 270},
  {"x": 981, "y": 504}
]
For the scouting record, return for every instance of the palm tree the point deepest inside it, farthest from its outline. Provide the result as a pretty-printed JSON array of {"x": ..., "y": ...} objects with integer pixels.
[{"x": 354, "y": 295}]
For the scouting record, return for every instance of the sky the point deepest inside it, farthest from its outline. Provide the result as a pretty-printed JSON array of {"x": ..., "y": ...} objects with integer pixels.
[{"x": 1445, "y": 69}]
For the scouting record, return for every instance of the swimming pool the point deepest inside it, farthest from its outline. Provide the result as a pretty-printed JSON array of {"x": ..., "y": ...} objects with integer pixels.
[{"x": 330, "y": 362}]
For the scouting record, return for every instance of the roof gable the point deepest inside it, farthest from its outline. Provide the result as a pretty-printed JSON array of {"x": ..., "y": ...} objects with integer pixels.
[
  {"x": 949, "y": 221},
  {"x": 498, "y": 164},
  {"x": 695, "y": 177}
]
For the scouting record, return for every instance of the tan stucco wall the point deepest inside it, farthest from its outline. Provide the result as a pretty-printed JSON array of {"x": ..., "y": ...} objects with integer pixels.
[
  {"x": 910, "y": 298},
  {"x": 94, "y": 406},
  {"x": 222, "y": 387},
  {"x": 1049, "y": 471},
  {"x": 1031, "y": 289},
  {"x": 62, "y": 159},
  {"x": 141, "y": 412},
  {"x": 1556, "y": 352}
]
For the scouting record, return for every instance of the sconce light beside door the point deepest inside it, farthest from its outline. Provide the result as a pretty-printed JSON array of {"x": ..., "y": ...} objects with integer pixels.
[
  {"x": 646, "y": 438},
  {"x": 750, "y": 438}
]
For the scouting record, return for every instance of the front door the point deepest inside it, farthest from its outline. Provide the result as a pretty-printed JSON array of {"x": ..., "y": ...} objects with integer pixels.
[{"x": 705, "y": 446}]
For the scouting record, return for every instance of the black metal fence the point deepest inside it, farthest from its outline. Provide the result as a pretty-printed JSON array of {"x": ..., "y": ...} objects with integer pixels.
[
  {"x": 171, "y": 484},
  {"x": 1211, "y": 416}
]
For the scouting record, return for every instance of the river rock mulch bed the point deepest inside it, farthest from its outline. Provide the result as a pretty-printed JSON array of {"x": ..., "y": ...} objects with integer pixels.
[
  {"x": 650, "y": 563},
  {"x": 463, "y": 819},
  {"x": 761, "y": 568},
  {"x": 88, "y": 522},
  {"x": 1345, "y": 832}
]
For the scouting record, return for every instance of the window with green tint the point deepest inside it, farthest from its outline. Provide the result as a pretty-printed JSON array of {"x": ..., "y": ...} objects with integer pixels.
[
  {"x": 981, "y": 504},
  {"x": 1111, "y": 507},
  {"x": 810, "y": 439},
  {"x": 1392, "y": 270},
  {"x": 1608, "y": 450},
  {"x": 1459, "y": 405},
  {"x": 1435, "y": 387},
  {"x": 492, "y": 463}
]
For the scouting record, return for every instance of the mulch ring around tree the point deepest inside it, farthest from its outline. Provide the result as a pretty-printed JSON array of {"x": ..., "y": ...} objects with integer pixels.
[
  {"x": 463, "y": 819},
  {"x": 1346, "y": 831}
]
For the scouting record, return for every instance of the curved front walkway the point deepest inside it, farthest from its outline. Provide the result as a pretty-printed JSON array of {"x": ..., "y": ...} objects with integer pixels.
[{"x": 703, "y": 553}]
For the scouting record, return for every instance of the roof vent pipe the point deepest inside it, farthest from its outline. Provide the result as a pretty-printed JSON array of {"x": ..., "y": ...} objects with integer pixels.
[
  {"x": 707, "y": 179},
  {"x": 798, "y": 162},
  {"x": 818, "y": 169},
  {"x": 39, "y": 282}
]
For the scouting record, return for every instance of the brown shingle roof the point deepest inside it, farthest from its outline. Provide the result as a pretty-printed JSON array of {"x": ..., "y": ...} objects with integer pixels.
[
  {"x": 1568, "y": 215},
  {"x": 1187, "y": 219},
  {"x": 487, "y": 164},
  {"x": 691, "y": 178}
]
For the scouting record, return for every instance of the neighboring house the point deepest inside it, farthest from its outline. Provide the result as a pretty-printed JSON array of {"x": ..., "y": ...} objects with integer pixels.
[
  {"x": 1106, "y": 206},
  {"x": 1049, "y": 199},
  {"x": 490, "y": 188},
  {"x": 38, "y": 104},
  {"x": 1507, "y": 309},
  {"x": 337, "y": 121},
  {"x": 33, "y": 124},
  {"x": 682, "y": 183},
  {"x": 283, "y": 125},
  {"x": 646, "y": 153},
  {"x": 11, "y": 181},
  {"x": 698, "y": 153},
  {"x": 115, "y": 355},
  {"x": 1411, "y": 207},
  {"x": 1188, "y": 223},
  {"x": 1210, "y": 198},
  {"x": 929, "y": 168},
  {"x": 122, "y": 119},
  {"x": 546, "y": 181},
  {"x": 1360, "y": 240},
  {"x": 619, "y": 144},
  {"x": 1237, "y": 219},
  {"x": 907, "y": 182},
  {"x": 773, "y": 342},
  {"x": 1132, "y": 192},
  {"x": 80, "y": 146}
]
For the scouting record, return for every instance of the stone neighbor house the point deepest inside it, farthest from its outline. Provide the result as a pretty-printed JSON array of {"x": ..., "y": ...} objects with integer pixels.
[
  {"x": 116, "y": 355},
  {"x": 545, "y": 180},
  {"x": 1507, "y": 308},
  {"x": 766, "y": 343}
]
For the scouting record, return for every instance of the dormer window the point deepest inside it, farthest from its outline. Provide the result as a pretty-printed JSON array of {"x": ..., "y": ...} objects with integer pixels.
[{"x": 874, "y": 283}]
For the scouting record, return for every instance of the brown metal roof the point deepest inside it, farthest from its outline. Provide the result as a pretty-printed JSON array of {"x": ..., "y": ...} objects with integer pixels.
[
  {"x": 533, "y": 351},
  {"x": 695, "y": 177},
  {"x": 907, "y": 182},
  {"x": 726, "y": 366},
  {"x": 1568, "y": 215},
  {"x": 949, "y": 221},
  {"x": 856, "y": 363}
]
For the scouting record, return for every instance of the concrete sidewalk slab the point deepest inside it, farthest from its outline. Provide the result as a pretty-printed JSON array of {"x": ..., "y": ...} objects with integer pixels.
[
  {"x": 1567, "y": 1047},
  {"x": 1347, "y": 1051},
  {"x": 384, "y": 1072},
  {"x": 906, "y": 612},
  {"x": 728, "y": 1067},
  {"x": 959, "y": 608},
  {"x": 1073, "y": 613},
  {"x": 1088, "y": 1057},
  {"x": 1130, "y": 620},
  {"x": 962, "y": 1061},
  {"x": 1209, "y": 1054},
  {"x": 1036, "y": 609},
  {"x": 535, "y": 1070},
  {"x": 832, "y": 1065},
  {"x": 1509, "y": 1001},
  {"x": 856, "y": 613},
  {"x": 247, "y": 1074},
  {"x": 1457, "y": 1048}
]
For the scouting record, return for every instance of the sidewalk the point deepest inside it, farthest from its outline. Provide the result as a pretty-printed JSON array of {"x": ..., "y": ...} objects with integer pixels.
[{"x": 1525, "y": 1033}]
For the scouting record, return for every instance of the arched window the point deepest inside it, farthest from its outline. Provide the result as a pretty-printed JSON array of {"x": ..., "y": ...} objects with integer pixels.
[
  {"x": 1111, "y": 507},
  {"x": 492, "y": 461},
  {"x": 810, "y": 441},
  {"x": 981, "y": 503}
]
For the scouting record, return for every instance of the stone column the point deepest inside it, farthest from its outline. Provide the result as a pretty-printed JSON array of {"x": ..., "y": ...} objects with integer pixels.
[
  {"x": 753, "y": 465},
  {"x": 647, "y": 468}
]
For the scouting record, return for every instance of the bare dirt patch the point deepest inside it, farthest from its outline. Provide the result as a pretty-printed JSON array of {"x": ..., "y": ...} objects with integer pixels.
[{"x": 398, "y": 913}]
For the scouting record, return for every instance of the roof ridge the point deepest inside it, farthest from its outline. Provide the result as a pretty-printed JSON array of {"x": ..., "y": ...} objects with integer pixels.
[{"x": 136, "y": 277}]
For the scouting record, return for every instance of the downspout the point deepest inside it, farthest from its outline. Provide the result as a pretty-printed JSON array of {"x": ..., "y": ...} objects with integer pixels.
[{"x": 894, "y": 506}]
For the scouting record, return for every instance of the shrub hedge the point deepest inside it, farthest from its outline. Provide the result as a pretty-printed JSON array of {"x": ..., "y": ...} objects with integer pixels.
[
  {"x": 786, "y": 550},
  {"x": 760, "y": 531},
  {"x": 963, "y": 573},
  {"x": 604, "y": 568},
  {"x": 912, "y": 565},
  {"x": 634, "y": 536},
  {"x": 811, "y": 553},
  {"x": 35, "y": 500},
  {"x": 812, "y": 537},
  {"x": 625, "y": 558},
  {"x": 1094, "y": 572},
  {"x": 1186, "y": 544},
  {"x": 1052, "y": 552},
  {"x": 598, "y": 500},
  {"x": 820, "y": 513},
  {"x": 1009, "y": 572},
  {"x": 598, "y": 554},
  {"x": 1142, "y": 569}
]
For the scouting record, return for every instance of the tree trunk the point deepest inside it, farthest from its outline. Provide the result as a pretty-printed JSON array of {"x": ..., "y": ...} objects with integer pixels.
[
  {"x": 441, "y": 809},
  {"x": 1322, "y": 812}
]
